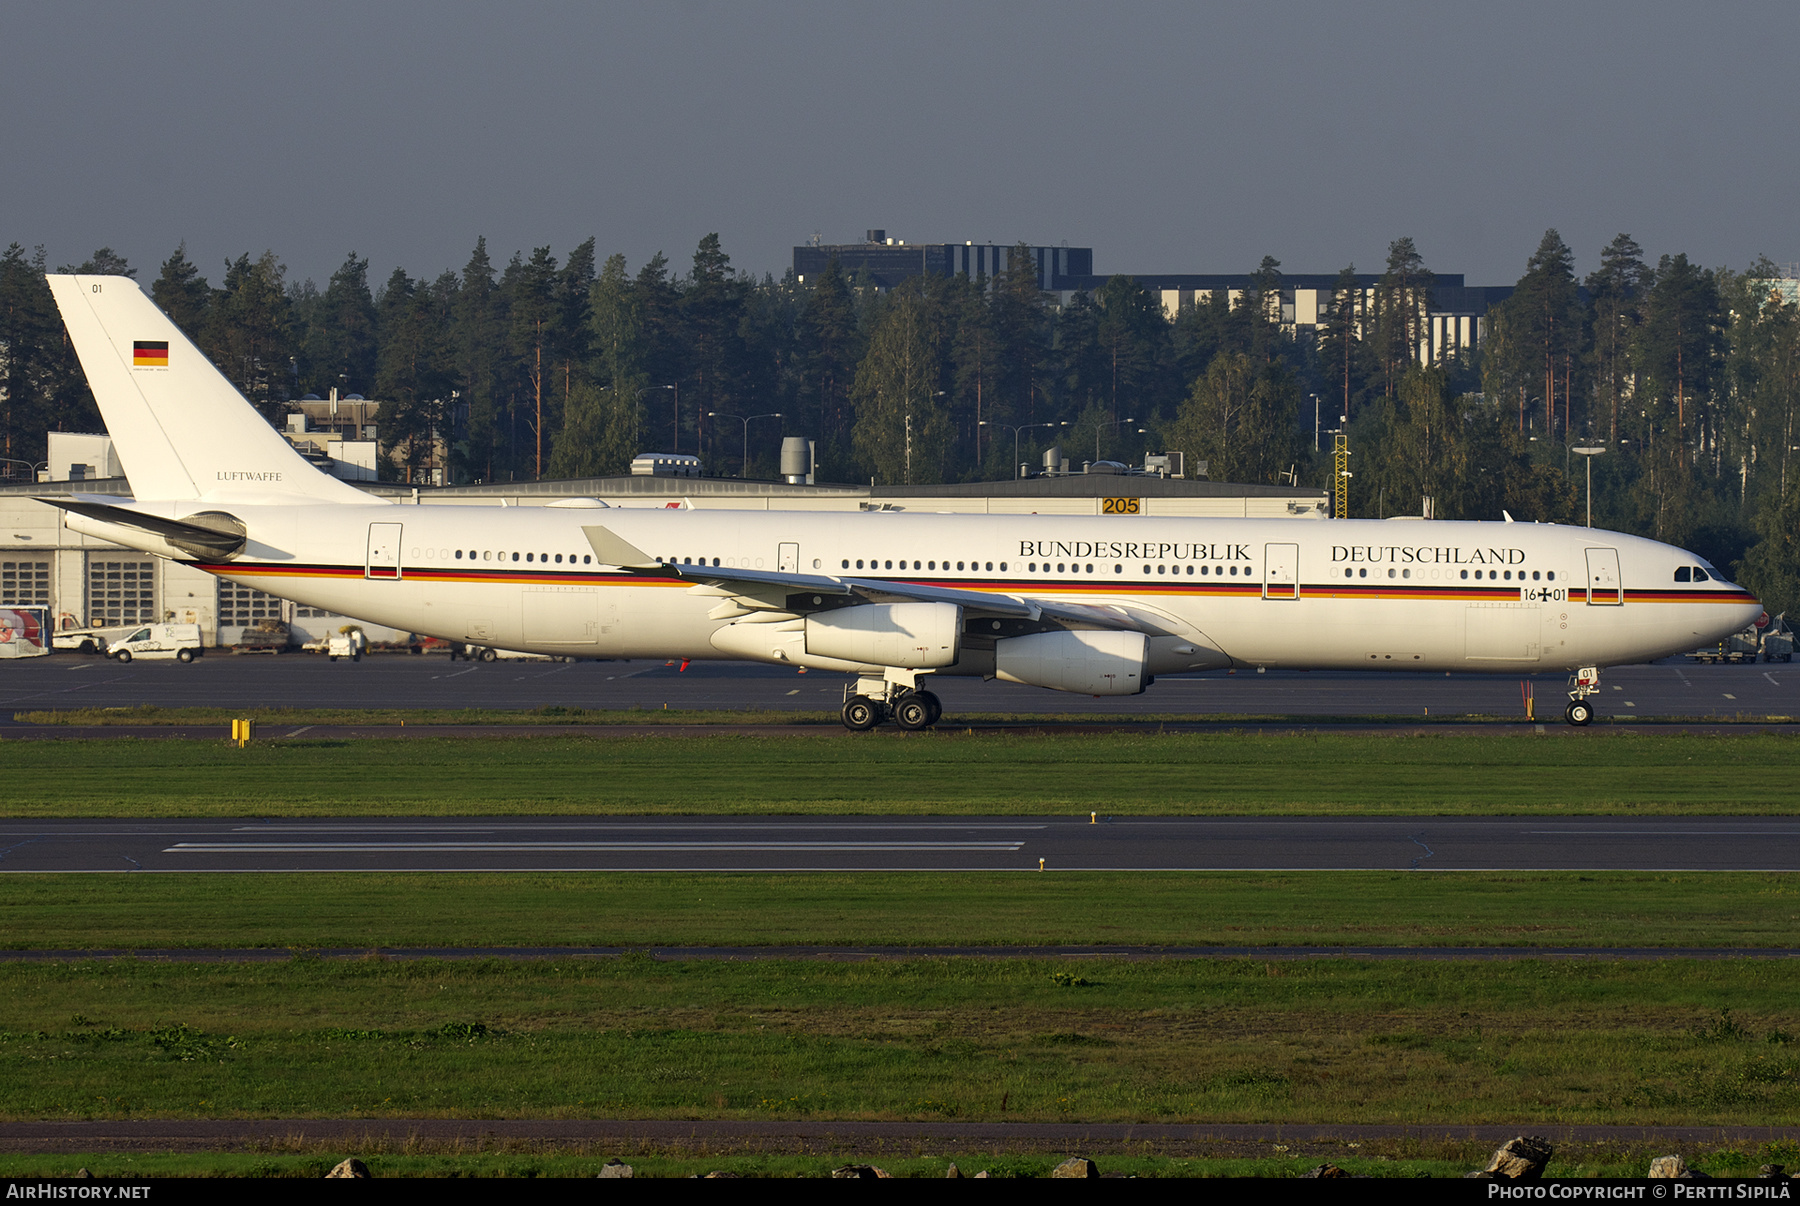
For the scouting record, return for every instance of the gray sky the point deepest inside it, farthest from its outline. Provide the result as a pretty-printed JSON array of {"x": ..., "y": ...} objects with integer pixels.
[{"x": 1169, "y": 137}]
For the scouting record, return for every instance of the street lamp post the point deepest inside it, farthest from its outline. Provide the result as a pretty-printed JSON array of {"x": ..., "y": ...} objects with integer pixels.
[
  {"x": 1017, "y": 430},
  {"x": 744, "y": 469},
  {"x": 1588, "y": 455}
]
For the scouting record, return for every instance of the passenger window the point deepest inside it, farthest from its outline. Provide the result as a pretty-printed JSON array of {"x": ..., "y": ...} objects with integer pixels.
[
  {"x": 559, "y": 559},
  {"x": 1348, "y": 572},
  {"x": 1118, "y": 569},
  {"x": 1090, "y": 569},
  {"x": 1392, "y": 572},
  {"x": 1534, "y": 575},
  {"x": 859, "y": 563},
  {"x": 515, "y": 557},
  {"x": 1465, "y": 573},
  {"x": 1234, "y": 570},
  {"x": 1002, "y": 566},
  {"x": 459, "y": 554},
  {"x": 586, "y": 558},
  {"x": 1362, "y": 573},
  {"x": 890, "y": 565},
  {"x": 847, "y": 563},
  {"x": 715, "y": 561},
  {"x": 1550, "y": 576}
]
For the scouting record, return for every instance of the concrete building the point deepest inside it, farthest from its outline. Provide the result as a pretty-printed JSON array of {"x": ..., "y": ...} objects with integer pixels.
[
  {"x": 889, "y": 261},
  {"x": 1456, "y": 321}
]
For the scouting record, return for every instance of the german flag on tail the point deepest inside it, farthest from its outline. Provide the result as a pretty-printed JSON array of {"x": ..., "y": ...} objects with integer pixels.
[{"x": 150, "y": 353}]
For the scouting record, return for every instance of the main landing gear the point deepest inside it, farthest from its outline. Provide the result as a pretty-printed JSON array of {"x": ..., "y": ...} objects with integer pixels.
[
  {"x": 1585, "y": 683},
  {"x": 892, "y": 698}
]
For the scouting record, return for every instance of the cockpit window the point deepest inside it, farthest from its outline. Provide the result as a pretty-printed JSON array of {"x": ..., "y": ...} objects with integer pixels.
[
  {"x": 1684, "y": 574},
  {"x": 1699, "y": 574}
]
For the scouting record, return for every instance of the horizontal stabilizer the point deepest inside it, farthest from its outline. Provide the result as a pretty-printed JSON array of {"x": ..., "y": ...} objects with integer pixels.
[
  {"x": 615, "y": 550},
  {"x": 209, "y": 535}
]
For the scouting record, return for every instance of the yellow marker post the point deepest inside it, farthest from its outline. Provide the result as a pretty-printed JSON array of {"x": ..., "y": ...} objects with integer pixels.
[
  {"x": 1040, "y": 864},
  {"x": 1093, "y": 818}
]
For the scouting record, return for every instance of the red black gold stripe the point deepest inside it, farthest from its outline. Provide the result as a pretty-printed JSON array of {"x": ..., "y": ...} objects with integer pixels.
[
  {"x": 1010, "y": 586},
  {"x": 150, "y": 353}
]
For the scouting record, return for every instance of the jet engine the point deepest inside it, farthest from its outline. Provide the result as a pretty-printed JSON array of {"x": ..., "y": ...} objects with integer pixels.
[
  {"x": 1090, "y": 663},
  {"x": 914, "y": 636}
]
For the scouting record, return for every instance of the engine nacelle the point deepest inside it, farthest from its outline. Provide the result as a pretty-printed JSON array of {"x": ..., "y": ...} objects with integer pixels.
[
  {"x": 913, "y": 636},
  {"x": 1090, "y": 663}
]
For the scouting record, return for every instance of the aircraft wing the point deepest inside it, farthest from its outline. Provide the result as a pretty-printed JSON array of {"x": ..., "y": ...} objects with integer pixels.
[
  {"x": 764, "y": 590},
  {"x": 209, "y": 534}
]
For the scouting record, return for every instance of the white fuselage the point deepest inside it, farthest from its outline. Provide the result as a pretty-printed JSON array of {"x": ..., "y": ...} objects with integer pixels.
[{"x": 1326, "y": 594}]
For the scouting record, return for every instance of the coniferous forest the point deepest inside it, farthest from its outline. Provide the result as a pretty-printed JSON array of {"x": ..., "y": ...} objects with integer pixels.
[{"x": 567, "y": 366}]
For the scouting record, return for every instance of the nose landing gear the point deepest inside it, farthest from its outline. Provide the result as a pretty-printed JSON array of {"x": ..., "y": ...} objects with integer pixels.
[{"x": 1585, "y": 683}]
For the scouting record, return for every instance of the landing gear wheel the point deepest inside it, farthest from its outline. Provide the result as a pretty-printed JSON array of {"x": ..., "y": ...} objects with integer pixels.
[
  {"x": 937, "y": 709},
  {"x": 912, "y": 712},
  {"x": 1579, "y": 712},
  {"x": 861, "y": 713}
]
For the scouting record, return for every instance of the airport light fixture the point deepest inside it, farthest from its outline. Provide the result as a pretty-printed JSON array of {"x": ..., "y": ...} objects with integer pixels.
[
  {"x": 744, "y": 469},
  {"x": 1588, "y": 455}
]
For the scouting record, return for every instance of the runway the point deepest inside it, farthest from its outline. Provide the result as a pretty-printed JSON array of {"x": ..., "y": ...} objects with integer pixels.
[
  {"x": 903, "y": 844},
  {"x": 1672, "y": 688}
]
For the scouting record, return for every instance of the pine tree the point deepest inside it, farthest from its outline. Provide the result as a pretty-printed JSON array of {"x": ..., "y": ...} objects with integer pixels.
[
  {"x": 830, "y": 346},
  {"x": 1340, "y": 340},
  {"x": 182, "y": 293},
  {"x": 250, "y": 330},
  {"x": 531, "y": 293},
  {"x": 902, "y": 433},
  {"x": 1402, "y": 303},
  {"x": 480, "y": 342},
  {"x": 1616, "y": 289},
  {"x": 1536, "y": 335}
]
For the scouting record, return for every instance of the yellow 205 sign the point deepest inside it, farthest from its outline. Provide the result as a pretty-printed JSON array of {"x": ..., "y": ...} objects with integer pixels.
[{"x": 1120, "y": 506}]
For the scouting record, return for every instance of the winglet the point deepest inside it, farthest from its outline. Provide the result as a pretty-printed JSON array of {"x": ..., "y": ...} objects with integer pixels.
[{"x": 612, "y": 550}]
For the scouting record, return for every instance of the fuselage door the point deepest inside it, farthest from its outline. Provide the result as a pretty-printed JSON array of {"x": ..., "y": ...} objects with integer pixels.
[
  {"x": 1603, "y": 586},
  {"x": 789, "y": 561},
  {"x": 384, "y": 551},
  {"x": 1281, "y": 571}
]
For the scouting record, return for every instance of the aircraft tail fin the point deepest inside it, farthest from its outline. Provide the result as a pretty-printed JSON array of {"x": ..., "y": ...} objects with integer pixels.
[{"x": 181, "y": 430}]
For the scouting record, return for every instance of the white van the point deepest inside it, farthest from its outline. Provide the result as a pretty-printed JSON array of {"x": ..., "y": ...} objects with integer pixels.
[{"x": 179, "y": 641}]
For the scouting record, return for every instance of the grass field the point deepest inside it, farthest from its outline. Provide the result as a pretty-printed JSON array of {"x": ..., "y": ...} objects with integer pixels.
[
  {"x": 1373, "y": 1158},
  {"x": 1532, "y": 1043},
  {"x": 1350, "y": 908},
  {"x": 1447, "y": 774},
  {"x": 557, "y": 714}
]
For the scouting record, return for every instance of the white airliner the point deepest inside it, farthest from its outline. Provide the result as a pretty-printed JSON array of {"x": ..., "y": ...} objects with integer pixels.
[{"x": 1084, "y": 604}]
